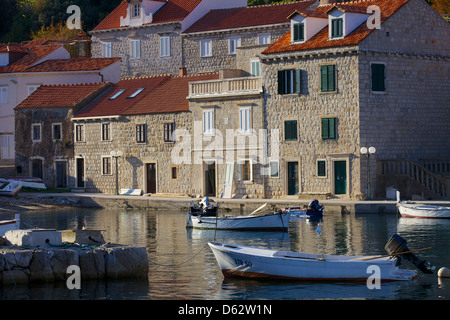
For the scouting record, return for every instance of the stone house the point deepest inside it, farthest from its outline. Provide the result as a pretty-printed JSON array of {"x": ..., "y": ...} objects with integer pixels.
[
  {"x": 147, "y": 35},
  {"x": 44, "y": 131},
  {"x": 335, "y": 84},
  {"x": 141, "y": 118},
  {"x": 24, "y": 67}
]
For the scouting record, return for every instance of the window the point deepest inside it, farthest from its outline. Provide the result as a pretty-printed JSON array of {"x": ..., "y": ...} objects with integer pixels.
[
  {"x": 299, "y": 32},
  {"x": 208, "y": 121},
  {"x": 337, "y": 30},
  {"x": 3, "y": 94},
  {"x": 136, "y": 10},
  {"x": 7, "y": 145},
  {"x": 234, "y": 43},
  {"x": 107, "y": 50},
  {"x": 274, "y": 165},
  {"x": 245, "y": 170},
  {"x": 4, "y": 59},
  {"x": 32, "y": 88},
  {"x": 378, "y": 77},
  {"x": 164, "y": 46},
  {"x": 36, "y": 132},
  {"x": 328, "y": 78},
  {"x": 79, "y": 132},
  {"x": 118, "y": 93},
  {"x": 169, "y": 129},
  {"x": 290, "y": 130},
  {"x": 174, "y": 173},
  {"x": 56, "y": 131},
  {"x": 136, "y": 93},
  {"x": 245, "y": 120},
  {"x": 321, "y": 168},
  {"x": 264, "y": 39},
  {"x": 106, "y": 165},
  {"x": 256, "y": 68},
  {"x": 328, "y": 128},
  {"x": 289, "y": 81},
  {"x": 135, "y": 47},
  {"x": 140, "y": 133},
  {"x": 106, "y": 131},
  {"x": 205, "y": 48}
]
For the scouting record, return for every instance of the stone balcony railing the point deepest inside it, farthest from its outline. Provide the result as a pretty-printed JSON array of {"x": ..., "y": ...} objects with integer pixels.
[{"x": 225, "y": 88}]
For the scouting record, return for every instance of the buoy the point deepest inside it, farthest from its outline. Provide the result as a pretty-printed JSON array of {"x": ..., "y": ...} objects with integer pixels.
[{"x": 444, "y": 272}]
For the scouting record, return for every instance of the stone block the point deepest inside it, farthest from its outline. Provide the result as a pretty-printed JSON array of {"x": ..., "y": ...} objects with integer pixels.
[{"x": 34, "y": 237}]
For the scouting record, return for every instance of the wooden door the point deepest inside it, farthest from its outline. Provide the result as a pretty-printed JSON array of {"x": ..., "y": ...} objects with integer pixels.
[
  {"x": 151, "y": 177},
  {"x": 293, "y": 186},
  {"x": 340, "y": 177}
]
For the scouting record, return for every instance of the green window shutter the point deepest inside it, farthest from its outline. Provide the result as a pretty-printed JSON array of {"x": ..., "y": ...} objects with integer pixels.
[
  {"x": 378, "y": 77},
  {"x": 290, "y": 130},
  {"x": 281, "y": 84},
  {"x": 297, "y": 81},
  {"x": 321, "y": 168},
  {"x": 299, "y": 32},
  {"x": 324, "y": 128},
  {"x": 323, "y": 78},
  {"x": 328, "y": 128},
  {"x": 331, "y": 78}
]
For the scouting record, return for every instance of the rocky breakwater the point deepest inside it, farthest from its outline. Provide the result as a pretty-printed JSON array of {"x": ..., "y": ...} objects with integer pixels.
[{"x": 31, "y": 256}]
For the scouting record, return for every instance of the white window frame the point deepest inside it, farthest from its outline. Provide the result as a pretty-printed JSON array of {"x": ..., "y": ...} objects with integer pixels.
[
  {"x": 253, "y": 63},
  {"x": 240, "y": 163},
  {"x": 233, "y": 43},
  {"x": 264, "y": 38},
  {"x": 33, "y": 125},
  {"x": 107, "y": 49},
  {"x": 7, "y": 146},
  {"x": 136, "y": 10},
  {"x": 208, "y": 122},
  {"x": 206, "y": 48},
  {"x": 3, "y": 94},
  {"x": 60, "y": 131},
  {"x": 272, "y": 173},
  {"x": 32, "y": 88},
  {"x": 245, "y": 120},
  {"x": 109, "y": 138},
  {"x": 165, "y": 46},
  {"x": 135, "y": 49},
  {"x": 83, "y": 135},
  {"x": 110, "y": 166}
]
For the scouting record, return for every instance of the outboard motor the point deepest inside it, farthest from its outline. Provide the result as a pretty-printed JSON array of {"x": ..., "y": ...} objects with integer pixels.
[
  {"x": 314, "y": 205},
  {"x": 397, "y": 245}
]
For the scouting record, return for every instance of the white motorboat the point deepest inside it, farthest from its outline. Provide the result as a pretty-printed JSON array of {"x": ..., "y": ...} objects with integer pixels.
[
  {"x": 273, "y": 221},
  {"x": 9, "y": 188},
  {"x": 6, "y": 225},
  {"x": 244, "y": 261},
  {"x": 426, "y": 211}
]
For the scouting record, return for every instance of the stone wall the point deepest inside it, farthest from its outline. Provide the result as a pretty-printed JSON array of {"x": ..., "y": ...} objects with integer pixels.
[
  {"x": 151, "y": 62},
  {"x": 132, "y": 165}
]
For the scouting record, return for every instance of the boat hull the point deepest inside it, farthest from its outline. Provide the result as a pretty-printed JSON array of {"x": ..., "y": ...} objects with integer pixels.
[
  {"x": 9, "y": 188},
  {"x": 274, "y": 221},
  {"x": 423, "y": 211},
  {"x": 243, "y": 261}
]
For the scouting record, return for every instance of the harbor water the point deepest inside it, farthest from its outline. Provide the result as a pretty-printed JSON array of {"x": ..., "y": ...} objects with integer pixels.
[{"x": 183, "y": 267}]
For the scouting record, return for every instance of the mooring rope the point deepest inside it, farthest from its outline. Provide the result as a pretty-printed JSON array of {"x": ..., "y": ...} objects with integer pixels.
[{"x": 179, "y": 264}]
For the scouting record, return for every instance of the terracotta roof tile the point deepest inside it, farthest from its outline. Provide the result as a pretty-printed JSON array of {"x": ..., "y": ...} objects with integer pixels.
[
  {"x": 320, "y": 40},
  {"x": 112, "y": 20},
  {"x": 171, "y": 96},
  {"x": 104, "y": 106},
  {"x": 78, "y": 64},
  {"x": 57, "y": 96},
  {"x": 35, "y": 54},
  {"x": 250, "y": 16}
]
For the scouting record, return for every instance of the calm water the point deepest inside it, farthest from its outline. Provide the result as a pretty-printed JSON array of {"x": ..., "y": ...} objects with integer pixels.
[{"x": 183, "y": 267}]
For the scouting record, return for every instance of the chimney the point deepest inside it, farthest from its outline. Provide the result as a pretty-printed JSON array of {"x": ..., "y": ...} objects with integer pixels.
[{"x": 182, "y": 72}]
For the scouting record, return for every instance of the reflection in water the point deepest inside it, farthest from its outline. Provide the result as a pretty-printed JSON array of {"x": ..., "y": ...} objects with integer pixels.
[{"x": 183, "y": 267}]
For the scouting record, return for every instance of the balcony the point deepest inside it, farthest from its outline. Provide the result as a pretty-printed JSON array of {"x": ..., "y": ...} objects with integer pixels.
[{"x": 234, "y": 87}]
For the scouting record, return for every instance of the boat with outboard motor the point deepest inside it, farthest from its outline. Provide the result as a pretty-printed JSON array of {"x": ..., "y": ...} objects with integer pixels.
[
  {"x": 244, "y": 261},
  {"x": 314, "y": 211},
  {"x": 204, "y": 208}
]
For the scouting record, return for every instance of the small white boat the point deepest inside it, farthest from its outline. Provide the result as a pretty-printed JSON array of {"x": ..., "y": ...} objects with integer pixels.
[
  {"x": 426, "y": 211},
  {"x": 9, "y": 188},
  {"x": 30, "y": 182},
  {"x": 6, "y": 225},
  {"x": 273, "y": 221},
  {"x": 244, "y": 261}
]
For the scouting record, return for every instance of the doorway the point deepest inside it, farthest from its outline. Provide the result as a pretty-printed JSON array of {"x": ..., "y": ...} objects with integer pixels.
[
  {"x": 292, "y": 178},
  {"x": 340, "y": 177},
  {"x": 80, "y": 172},
  {"x": 151, "y": 177},
  {"x": 210, "y": 179},
  {"x": 61, "y": 174}
]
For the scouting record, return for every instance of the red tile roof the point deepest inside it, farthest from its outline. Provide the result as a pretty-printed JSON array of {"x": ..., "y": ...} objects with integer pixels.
[
  {"x": 173, "y": 10},
  {"x": 104, "y": 106},
  {"x": 57, "y": 96},
  {"x": 78, "y": 64},
  {"x": 320, "y": 40},
  {"x": 34, "y": 55},
  {"x": 171, "y": 96},
  {"x": 251, "y": 16}
]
